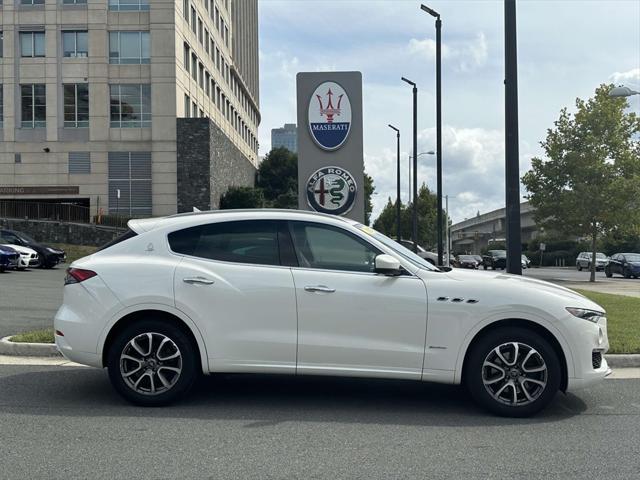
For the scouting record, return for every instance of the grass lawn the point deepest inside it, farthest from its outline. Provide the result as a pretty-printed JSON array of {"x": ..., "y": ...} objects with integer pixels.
[
  {"x": 75, "y": 252},
  {"x": 623, "y": 320},
  {"x": 36, "y": 336}
]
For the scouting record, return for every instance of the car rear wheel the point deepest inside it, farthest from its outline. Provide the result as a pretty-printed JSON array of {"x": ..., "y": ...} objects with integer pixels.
[
  {"x": 512, "y": 372},
  {"x": 608, "y": 273},
  {"x": 579, "y": 267},
  {"x": 152, "y": 363}
]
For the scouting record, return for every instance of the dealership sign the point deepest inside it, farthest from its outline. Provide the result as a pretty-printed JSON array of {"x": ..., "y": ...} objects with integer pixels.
[
  {"x": 331, "y": 190},
  {"x": 329, "y": 115}
]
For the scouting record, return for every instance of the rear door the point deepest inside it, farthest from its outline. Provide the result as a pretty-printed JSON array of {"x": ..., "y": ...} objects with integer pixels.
[{"x": 231, "y": 281}]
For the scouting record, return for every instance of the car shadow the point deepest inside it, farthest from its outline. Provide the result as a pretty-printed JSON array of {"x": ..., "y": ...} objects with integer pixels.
[{"x": 266, "y": 400}]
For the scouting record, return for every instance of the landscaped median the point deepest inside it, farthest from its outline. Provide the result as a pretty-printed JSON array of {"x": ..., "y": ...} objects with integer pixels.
[{"x": 623, "y": 325}]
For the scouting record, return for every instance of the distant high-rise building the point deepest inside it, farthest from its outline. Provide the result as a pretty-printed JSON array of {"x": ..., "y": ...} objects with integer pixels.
[{"x": 286, "y": 136}]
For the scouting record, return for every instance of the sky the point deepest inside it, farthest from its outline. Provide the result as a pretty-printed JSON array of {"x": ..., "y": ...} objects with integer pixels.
[{"x": 566, "y": 48}]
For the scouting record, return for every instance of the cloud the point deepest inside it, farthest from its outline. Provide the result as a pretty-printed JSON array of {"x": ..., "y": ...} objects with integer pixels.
[
  {"x": 467, "y": 55},
  {"x": 632, "y": 76}
]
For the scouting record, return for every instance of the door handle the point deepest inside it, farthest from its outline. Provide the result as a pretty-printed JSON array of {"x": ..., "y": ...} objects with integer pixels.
[
  {"x": 319, "y": 288},
  {"x": 200, "y": 280}
]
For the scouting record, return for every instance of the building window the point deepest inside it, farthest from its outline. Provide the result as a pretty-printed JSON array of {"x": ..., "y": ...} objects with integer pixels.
[
  {"x": 201, "y": 76},
  {"x": 79, "y": 163},
  {"x": 129, "y": 47},
  {"x": 1, "y": 44},
  {"x": 130, "y": 106},
  {"x": 185, "y": 9},
  {"x": 75, "y": 43},
  {"x": 206, "y": 40},
  {"x": 1, "y": 107},
  {"x": 74, "y": 2},
  {"x": 34, "y": 105},
  {"x": 129, "y": 5},
  {"x": 76, "y": 105},
  {"x": 200, "y": 30},
  {"x": 31, "y": 2},
  {"x": 194, "y": 16},
  {"x": 187, "y": 105},
  {"x": 129, "y": 174},
  {"x": 186, "y": 57},
  {"x": 32, "y": 44},
  {"x": 194, "y": 66},
  {"x": 207, "y": 83}
]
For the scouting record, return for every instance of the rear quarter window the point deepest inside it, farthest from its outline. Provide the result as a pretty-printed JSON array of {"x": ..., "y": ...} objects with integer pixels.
[{"x": 122, "y": 238}]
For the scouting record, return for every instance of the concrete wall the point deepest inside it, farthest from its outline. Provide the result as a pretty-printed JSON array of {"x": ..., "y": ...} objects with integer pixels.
[{"x": 57, "y": 232}]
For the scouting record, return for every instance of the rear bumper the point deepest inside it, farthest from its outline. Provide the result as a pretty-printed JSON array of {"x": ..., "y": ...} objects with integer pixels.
[{"x": 85, "y": 358}]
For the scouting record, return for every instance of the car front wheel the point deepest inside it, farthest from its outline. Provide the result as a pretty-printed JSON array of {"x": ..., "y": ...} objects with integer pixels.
[
  {"x": 512, "y": 372},
  {"x": 608, "y": 273},
  {"x": 152, "y": 363}
]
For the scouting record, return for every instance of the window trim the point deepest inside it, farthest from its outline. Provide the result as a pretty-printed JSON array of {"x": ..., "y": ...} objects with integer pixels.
[
  {"x": 75, "y": 123},
  {"x": 33, "y": 34},
  {"x": 75, "y": 45}
]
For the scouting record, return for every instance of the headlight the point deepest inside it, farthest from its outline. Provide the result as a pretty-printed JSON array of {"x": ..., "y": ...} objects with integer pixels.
[{"x": 591, "y": 315}]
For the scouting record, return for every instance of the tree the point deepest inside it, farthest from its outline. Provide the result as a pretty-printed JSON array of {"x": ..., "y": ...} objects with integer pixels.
[
  {"x": 427, "y": 219},
  {"x": 369, "y": 188},
  {"x": 278, "y": 178},
  {"x": 590, "y": 183},
  {"x": 242, "y": 197}
]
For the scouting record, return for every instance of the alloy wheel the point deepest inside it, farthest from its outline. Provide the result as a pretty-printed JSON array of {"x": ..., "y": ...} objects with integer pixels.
[
  {"x": 514, "y": 374},
  {"x": 151, "y": 363}
]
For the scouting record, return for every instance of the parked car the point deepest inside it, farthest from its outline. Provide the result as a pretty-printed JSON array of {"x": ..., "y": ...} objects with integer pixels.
[
  {"x": 49, "y": 256},
  {"x": 466, "y": 261},
  {"x": 8, "y": 258},
  {"x": 584, "y": 261},
  {"x": 478, "y": 259},
  {"x": 495, "y": 259},
  {"x": 626, "y": 264},
  {"x": 525, "y": 261},
  {"x": 430, "y": 257},
  {"x": 310, "y": 294},
  {"x": 28, "y": 258}
]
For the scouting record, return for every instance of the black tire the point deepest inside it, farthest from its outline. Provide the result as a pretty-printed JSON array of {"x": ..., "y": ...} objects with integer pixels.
[
  {"x": 2, "y": 269},
  {"x": 484, "y": 266},
  {"x": 626, "y": 273},
  {"x": 190, "y": 359},
  {"x": 608, "y": 273},
  {"x": 579, "y": 267},
  {"x": 482, "y": 347}
]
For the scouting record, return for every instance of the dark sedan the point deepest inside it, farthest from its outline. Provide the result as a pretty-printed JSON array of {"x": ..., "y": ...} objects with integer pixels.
[
  {"x": 466, "y": 261},
  {"x": 495, "y": 259},
  {"x": 626, "y": 264},
  {"x": 49, "y": 256},
  {"x": 8, "y": 258}
]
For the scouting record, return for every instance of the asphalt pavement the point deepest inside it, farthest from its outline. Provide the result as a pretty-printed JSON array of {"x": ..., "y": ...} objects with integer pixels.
[
  {"x": 66, "y": 422},
  {"x": 29, "y": 299}
]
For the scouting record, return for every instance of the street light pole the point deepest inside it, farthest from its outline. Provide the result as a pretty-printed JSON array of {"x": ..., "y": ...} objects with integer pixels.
[
  {"x": 414, "y": 235},
  {"x": 398, "y": 230},
  {"x": 436, "y": 15},
  {"x": 512, "y": 160}
]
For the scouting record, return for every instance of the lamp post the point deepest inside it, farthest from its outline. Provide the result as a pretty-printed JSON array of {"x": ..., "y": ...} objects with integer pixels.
[
  {"x": 398, "y": 237},
  {"x": 414, "y": 234},
  {"x": 436, "y": 15}
]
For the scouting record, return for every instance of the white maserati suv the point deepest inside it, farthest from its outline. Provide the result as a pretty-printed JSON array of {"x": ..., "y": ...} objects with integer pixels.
[{"x": 292, "y": 292}]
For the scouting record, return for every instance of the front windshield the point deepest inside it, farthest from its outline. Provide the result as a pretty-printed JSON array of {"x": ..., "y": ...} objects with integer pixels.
[
  {"x": 396, "y": 247},
  {"x": 600, "y": 255}
]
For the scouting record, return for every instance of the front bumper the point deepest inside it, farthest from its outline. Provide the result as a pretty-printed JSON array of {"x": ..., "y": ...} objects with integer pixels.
[{"x": 587, "y": 338}]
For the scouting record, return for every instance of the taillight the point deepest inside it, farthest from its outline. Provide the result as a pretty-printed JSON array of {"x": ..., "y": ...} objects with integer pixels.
[{"x": 77, "y": 275}]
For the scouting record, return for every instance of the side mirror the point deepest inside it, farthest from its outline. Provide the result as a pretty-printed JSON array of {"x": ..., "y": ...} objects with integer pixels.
[{"x": 387, "y": 265}]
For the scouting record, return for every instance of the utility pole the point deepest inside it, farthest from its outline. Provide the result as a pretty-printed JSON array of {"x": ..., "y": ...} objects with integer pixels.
[{"x": 512, "y": 160}]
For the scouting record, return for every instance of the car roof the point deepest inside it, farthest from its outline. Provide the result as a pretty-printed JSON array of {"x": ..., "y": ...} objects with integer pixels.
[{"x": 196, "y": 218}]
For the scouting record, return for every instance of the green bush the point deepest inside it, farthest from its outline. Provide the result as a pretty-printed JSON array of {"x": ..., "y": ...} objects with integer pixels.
[{"x": 242, "y": 197}]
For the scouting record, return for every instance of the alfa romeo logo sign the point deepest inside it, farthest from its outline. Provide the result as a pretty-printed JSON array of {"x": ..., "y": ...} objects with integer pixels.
[
  {"x": 331, "y": 190},
  {"x": 329, "y": 115}
]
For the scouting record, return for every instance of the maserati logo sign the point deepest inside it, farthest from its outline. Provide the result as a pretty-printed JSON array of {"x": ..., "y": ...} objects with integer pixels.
[
  {"x": 329, "y": 115},
  {"x": 331, "y": 190}
]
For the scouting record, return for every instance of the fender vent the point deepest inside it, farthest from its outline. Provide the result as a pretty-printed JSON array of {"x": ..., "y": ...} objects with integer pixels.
[{"x": 596, "y": 359}]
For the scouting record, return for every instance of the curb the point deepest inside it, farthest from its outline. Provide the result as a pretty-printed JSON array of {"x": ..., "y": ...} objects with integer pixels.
[
  {"x": 28, "y": 349},
  {"x": 623, "y": 360}
]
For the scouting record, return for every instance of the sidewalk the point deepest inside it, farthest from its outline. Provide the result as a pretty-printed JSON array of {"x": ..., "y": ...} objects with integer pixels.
[{"x": 607, "y": 286}]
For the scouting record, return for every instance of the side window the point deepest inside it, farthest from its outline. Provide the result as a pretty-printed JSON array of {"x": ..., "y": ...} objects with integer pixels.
[
  {"x": 330, "y": 248},
  {"x": 241, "y": 242}
]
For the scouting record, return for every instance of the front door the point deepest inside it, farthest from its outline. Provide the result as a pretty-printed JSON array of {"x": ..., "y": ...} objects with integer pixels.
[{"x": 351, "y": 320}]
